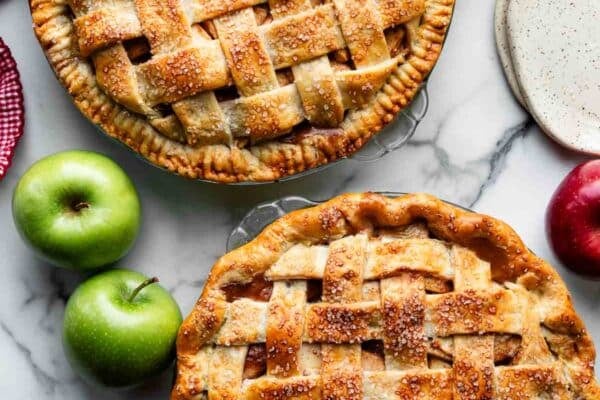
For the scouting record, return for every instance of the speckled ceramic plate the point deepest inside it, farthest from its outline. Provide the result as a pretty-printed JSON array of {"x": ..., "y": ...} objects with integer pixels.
[
  {"x": 555, "y": 48},
  {"x": 504, "y": 49}
]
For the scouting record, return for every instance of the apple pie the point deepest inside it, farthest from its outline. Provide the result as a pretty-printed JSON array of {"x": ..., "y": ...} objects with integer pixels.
[
  {"x": 368, "y": 297},
  {"x": 241, "y": 90}
]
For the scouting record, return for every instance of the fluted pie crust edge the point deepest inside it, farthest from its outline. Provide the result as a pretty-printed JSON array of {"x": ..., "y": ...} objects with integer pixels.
[
  {"x": 268, "y": 161},
  {"x": 353, "y": 214}
]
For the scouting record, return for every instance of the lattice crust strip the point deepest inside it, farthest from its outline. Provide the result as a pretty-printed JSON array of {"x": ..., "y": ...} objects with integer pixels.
[
  {"x": 186, "y": 67},
  {"x": 462, "y": 309}
]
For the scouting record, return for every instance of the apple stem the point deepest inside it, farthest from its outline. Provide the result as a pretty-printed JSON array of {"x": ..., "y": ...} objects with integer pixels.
[
  {"x": 141, "y": 286},
  {"x": 80, "y": 205}
]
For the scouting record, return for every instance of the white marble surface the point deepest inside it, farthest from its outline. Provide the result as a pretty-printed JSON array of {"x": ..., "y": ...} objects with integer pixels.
[{"x": 476, "y": 147}]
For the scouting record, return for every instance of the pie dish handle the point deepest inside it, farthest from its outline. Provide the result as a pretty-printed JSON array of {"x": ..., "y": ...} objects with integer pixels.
[{"x": 397, "y": 133}]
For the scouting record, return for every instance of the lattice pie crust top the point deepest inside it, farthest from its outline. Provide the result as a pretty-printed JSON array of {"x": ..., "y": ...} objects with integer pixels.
[
  {"x": 366, "y": 297},
  {"x": 240, "y": 90}
]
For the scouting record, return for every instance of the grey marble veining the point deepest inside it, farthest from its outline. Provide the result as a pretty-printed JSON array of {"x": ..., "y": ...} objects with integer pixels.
[{"x": 476, "y": 147}]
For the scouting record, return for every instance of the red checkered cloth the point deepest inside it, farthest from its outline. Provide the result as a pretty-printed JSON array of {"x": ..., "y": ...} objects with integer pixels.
[{"x": 12, "y": 111}]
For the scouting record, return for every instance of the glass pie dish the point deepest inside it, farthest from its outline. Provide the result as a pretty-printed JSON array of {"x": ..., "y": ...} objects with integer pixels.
[
  {"x": 248, "y": 92},
  {"x": 372, "y": 296}
]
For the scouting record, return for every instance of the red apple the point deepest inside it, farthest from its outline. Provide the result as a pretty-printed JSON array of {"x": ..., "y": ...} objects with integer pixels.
[{"x": 573, "y": 220}]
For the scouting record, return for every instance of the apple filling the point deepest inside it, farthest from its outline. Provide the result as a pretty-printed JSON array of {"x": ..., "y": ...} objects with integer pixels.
[
  {"x": 372, "y": 355},
  {"x": 314, "y": 290},
  {"x": 255, "y": 365},
  {"x": 258, "y": 289},
  {"x": 506, "y": 348}
]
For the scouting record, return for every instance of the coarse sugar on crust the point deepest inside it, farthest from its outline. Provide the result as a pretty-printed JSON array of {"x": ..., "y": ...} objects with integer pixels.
[
  {"x": 272, "y": 131},
  {"x": 501, "y": 325}
]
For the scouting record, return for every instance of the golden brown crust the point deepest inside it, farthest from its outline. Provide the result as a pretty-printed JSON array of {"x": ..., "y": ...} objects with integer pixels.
[
  {"x": 199, "y": 158},
  {"x": 553, "y": 341}
]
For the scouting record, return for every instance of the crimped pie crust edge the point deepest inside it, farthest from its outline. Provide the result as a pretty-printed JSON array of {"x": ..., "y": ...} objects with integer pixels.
[
  {"x": 352, "y": 213},
  {"x": 263, "y": 162}
]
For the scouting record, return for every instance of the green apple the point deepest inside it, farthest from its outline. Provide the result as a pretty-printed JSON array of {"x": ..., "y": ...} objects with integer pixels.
[
  {"x": 77, "y": 209},
  {"x": 120, "y": 328}
]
